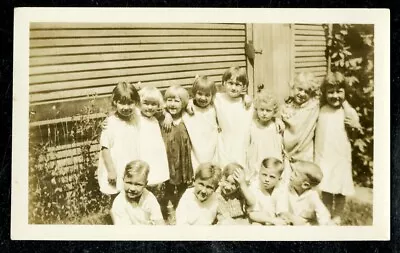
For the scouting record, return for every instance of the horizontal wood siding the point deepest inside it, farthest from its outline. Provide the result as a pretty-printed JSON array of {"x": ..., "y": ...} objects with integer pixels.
[
  {"x": 309, "y": 49},
  {"x": 71, "y": 61}
]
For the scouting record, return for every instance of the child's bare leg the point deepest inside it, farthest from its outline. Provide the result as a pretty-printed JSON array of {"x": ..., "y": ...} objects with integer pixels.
[
  {"x": 339, "y": 202},
  {"x": 327, "y": 198}
]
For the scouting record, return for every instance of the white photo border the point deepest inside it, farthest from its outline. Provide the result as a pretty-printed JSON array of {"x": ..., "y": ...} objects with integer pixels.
[{"x": 21, "y": 230}]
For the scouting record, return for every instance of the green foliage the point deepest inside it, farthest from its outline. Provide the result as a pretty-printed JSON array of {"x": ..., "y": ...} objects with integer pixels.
[
  {"x": 62, "y": 165},
  {"x": 351, "y": 49}
]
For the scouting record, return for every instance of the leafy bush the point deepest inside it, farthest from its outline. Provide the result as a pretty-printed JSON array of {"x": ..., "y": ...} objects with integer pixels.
[
  {"x": 351, "y": 49},
  {"x": 62, "y": 165}
]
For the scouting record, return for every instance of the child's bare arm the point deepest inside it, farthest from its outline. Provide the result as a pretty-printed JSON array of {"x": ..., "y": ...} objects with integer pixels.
[
  {"x": 239, "y": 176},
  {"x": 190, "y": 107},
  {"x": 111, "y": 171},
  {"x": 351, "y": 117}
]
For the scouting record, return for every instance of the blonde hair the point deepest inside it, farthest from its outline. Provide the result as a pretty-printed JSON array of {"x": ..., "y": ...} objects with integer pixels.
[
  {"x": 203, "y": 83},
  {"x": 137, "y": 167},
  {"x": 231, "y": 168},
  {"x": 272, "y": 163},
  {"x": 268, "y": 98},
  {"x": 310, "y": 170},
  {"x": 309, "y": 80},
  {"x": 177, "y": 91},
  {"x": 151, "y": 94}
]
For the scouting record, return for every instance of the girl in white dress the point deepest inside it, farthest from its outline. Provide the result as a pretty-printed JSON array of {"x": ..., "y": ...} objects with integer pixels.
[
  {"x": 265, "y": 140},
  {"x": 152, "y": 147},
  {"x": 332, "y": 145},
  {"x": 233, "y": 118},
  {"x": 119, "y": 141},
  {"x": 202, "y": 125}
]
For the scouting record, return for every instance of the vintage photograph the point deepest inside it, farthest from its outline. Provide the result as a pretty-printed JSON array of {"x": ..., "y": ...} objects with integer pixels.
[{"x": 201, "y": 123}]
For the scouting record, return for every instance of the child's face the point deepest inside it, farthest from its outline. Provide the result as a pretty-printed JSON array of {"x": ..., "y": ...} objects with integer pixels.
[
  {"x": 125, "y": 109},
  {"x": 173, "y": 105},
  {"x": 335, "y": 96},
  {"x": 265, "y": 112},
  {"x": 301, "y": 93},
  {"x": 229, "y": 185},
  {"x": 202, "y": 98},
  {"x": 149, "y": 108},
  {"x": 234, "y": 88},
  {"x": 298, "y": 181},
  {"x": 134, "y": 186},
  {"x": 269, "y": 178},
  {"x": 203, "y": 189}
]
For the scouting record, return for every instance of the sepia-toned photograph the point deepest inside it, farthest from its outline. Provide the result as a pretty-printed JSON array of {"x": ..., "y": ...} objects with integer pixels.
[{"x": 212, "y": 124}]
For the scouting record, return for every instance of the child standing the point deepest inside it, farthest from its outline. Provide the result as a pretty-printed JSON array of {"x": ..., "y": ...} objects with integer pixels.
[
  {"x": 119, "y": 142},
  {"x": 233, "y": 118},
  {"x": 135, "y": 205},
  {"x": 305, "y": 206},
  {"x": 198, "y": 205},
  {"x": 233, "y": 196},
  {"x": 202, "y": 124},
  {"x": 152, "y": 147},
  {"x": 332, "y": 145},
  {"x": 300, "y": 114},
  {"x": 178, "y": 146},
  {"x": 265, "y": 140},
  {"x": 270, "y": 199}
]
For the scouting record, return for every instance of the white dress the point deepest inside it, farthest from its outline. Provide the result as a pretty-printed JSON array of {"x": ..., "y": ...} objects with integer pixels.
[
  {"x": 333, "y": 152},
  {"x": 152, "y": 150},
  {"x": 203, "y": 132},
  {"x": 265, "y": 142},
  {"x": 121, "y": 139},
  {"x": 234, "y": 120}
]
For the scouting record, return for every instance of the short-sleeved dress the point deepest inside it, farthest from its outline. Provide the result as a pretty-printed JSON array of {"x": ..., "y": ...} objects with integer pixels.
[
  {"x": 122, "y": 140},
  {"x": 178, "y": 146},
  {"x": 234, "y": 120},
  {"x": 231, "y": 207},
  {"x": 152, "y": 150},
  {"x": 333, "y": 152},
  {"x": 265, "y": 142},
  {"x": 203, "y": 131}
]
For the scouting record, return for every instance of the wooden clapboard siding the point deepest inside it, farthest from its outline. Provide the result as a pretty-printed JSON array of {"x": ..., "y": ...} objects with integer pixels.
[
  {"x": 70, "y": 61},
  {"x": 309, "y": 46}
]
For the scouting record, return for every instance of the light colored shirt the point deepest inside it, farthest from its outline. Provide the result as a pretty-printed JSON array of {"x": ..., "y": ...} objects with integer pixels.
[
  {"x": 309, "y": 206},
  {"x": 273, "y": 203},
  {"x": 146, "y": 212},
  {"x": 191, "y": 211}
]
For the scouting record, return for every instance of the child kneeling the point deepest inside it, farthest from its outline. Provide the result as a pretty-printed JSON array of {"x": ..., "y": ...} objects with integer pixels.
[
  {"x": 136, "y": 205},
  {"x": 198, "y": 205}
]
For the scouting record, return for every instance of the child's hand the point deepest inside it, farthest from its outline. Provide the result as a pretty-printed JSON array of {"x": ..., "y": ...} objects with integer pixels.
[
  {"x": 280, "y": 222},
  {"x": 189, "y": 107},
  {"x": 104, "y": 124},
  {"x": 239, "y": 176},
  {"x": 112, "y": 178},
  {"x": 247, "y": 101},
  {"x": 167, "y": 122},
  {"x": 280, "y": 125},
  {"x": 352, "y": 122}
]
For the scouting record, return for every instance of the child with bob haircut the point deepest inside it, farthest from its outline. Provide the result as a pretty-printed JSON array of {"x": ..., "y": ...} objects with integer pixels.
[
  {"x": 332, "y": 144},
  {"x": 202, "y": 125},
  {"x": 178, "y": 147},
  {"x": 300, "y": 114},
  {"x": 150, "y": 139},
  {"x": 269, "y": 196},
  {"x": 233, "y": 196},
  {"x": 304, "y": 204},
  {"x": 233, "y": 118},
  {"x": 198, "y": 205},
  {"x": 265, "y": 140},
  {"x": 119, "y": 142},
  {"x": 135, "y": 205}
]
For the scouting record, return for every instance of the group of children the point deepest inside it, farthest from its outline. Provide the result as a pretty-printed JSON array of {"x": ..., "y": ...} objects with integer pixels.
[{"x": 220, "y": 158}]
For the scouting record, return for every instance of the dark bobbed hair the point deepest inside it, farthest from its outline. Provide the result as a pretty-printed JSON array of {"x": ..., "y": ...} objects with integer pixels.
[
  {"x": 236, "y": 73},
  {"x": 125, "y": 92}
]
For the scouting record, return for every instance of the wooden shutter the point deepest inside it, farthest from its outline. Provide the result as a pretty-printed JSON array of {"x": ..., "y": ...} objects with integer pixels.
[
  {"x": 309, "y": 49},
  {"x": 71, "y": 61}
]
